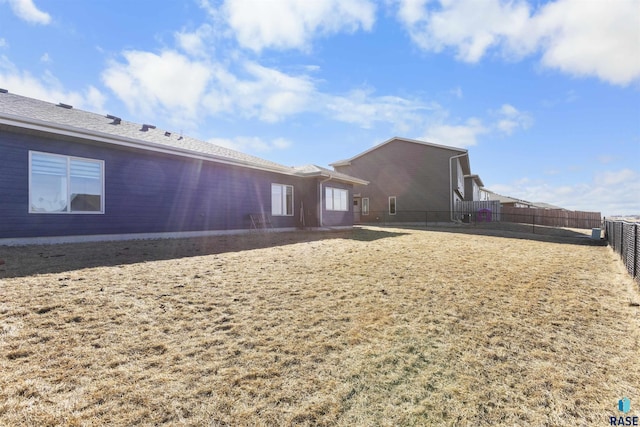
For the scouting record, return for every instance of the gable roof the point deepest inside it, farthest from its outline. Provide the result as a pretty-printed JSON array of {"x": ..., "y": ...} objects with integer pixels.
[
  {"x": 505, "y": 199},
  {"x": 476, "y": 178},
  {"x": 61, "y": 119},
  {"x": 313, "y": 170},
  {"x": 394, "y": 139}
]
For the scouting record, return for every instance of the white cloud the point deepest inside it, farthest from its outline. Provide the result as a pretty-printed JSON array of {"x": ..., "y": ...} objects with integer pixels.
[
  {"x": 459, "y": 135},
  {"x": 148, "y": 81},
  {"x": 577, "y": 37},
  {"x": 610, "y": 192},
  {"x": 457, "y": 92},
  {"x": 362, "y": 108},
  {"x": 3, "y": 42},
  {"x": 471, "y": 27},
  {"x": 591, "y": 38},
  {"x": 292, "y": 24},
  {"x": 196, "y": 43},
  {"x": 27, "y": 11},
  {"x": 617, "y": 177},
  {"x": 252, "y": 143},
  {"x": 261, "y": 92},
  {"x": 45, "y": 58},
  {"x": 48, "y": 88},
  {"x": 510, "y": 119}
]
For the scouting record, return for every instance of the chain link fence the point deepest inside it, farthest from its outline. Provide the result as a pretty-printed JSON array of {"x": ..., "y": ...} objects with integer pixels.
[{"x": 624, "y": 239}]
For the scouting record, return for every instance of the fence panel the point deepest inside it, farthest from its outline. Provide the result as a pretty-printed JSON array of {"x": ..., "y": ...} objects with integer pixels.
[
  {"x": 624, "y": 239},
  {"x": 478, "y": 210},
  {"x": 552, "y": 217}
]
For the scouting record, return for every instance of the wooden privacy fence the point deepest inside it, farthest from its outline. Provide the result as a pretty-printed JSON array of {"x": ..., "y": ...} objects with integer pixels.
[
  {"x": 552, "y": 217},
  {"x": 624, "y": 239}
]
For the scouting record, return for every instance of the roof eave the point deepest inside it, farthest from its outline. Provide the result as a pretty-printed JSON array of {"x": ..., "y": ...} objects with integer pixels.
[
  {"x": 347, "y": 162},
  {"x": 341, "y": 177},
  {"x": 75, "y": 132}
]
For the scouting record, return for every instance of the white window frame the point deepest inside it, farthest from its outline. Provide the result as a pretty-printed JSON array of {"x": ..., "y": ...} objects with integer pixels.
[
  {"x": 365, "y": 206},
  {"x": 336, "y": 199},
  {"x": 68, "y": 160},
  {"x": 395, "y": 205},
  {"x": 279, "y": 207}
]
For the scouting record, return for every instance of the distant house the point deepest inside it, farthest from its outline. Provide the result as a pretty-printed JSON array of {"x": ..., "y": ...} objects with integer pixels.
[
  {"x": 510, "y": 202},
  {"x": 409, "y": 181},
  {"x": 66, "y": 172},
  {"x": 473, "y": 189}
]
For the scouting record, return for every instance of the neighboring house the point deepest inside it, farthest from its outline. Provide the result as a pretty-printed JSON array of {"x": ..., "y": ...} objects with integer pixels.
[
  {"x": 484, "y": 194},
  {"x": 67, "y": 172},
  {"x": 506, "y": 201},
  {"x": 472, "y": 188},
  {"x": 409, "y": 181}
]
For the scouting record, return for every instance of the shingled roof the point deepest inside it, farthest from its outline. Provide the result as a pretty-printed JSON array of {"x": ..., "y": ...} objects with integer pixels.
[{"x": 63, "y": 119}]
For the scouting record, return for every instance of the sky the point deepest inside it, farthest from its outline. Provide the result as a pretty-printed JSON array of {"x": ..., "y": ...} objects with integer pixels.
[{"x": 545, "y": 95}]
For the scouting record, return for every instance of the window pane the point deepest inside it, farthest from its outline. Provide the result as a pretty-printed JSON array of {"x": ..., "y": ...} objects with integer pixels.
[
  {"x": 48, "y": 193},
  {"x": 45, "y": 164},
  {"x": 343, "y": 200},
  {"x": 392, "y": 205},
  {"x": 365, "y": 206},
  {"x": 276, "y": 199},
  {"x": 48, "y": 190},
  {"x": 336, "y": 199},
  {"x": 289, "y": 200},
  {"x": 86, "y": 186}
]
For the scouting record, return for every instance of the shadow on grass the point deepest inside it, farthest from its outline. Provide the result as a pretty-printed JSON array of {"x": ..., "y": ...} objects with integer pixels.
[{"x": 22, "y": 261}]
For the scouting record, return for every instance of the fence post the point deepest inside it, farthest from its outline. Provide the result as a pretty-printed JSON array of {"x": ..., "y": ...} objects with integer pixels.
[
  {"x": 634, "y": 273},
  {"x": 533, "y": 222}
]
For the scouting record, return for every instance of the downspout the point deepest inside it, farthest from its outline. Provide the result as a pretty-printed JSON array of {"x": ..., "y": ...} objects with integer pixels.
[
  {"x": 320, "y": 199},
  {"x": 451, "y": 184}
]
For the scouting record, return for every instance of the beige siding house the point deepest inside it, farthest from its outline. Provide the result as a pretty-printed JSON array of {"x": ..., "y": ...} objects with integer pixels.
[
  {"x": 409, "y": 181},
  {"x": 472, "y": 187}
]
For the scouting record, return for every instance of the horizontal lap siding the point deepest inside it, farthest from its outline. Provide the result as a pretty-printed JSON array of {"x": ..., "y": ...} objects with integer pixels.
[
  {"x": 417, "y": 175},
  {"x": 145, "y": 192},
  {"x": 337, "y": 218}
]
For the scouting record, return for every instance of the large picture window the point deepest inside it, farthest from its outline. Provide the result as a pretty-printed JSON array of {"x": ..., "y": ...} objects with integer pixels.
[
  {"x": 336, "y": 199},
  {"x": 64, "y": 184},
  {"x": 281, "y": 200}
]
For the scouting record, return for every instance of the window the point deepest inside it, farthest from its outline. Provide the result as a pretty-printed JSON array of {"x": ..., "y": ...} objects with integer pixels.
[
  {"x": 64, "y": 184},
  {"x": 281, "y": 200},
  {"x": 336, "y": 199},
  {"x": 392, "y": 205},
  {"x": 365, "y": 206}
]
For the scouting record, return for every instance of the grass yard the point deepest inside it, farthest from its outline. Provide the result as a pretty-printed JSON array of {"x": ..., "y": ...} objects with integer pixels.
[{"x": 375, "y": 326}]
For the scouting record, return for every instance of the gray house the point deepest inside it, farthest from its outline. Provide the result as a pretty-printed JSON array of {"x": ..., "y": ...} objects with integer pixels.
[
  {"x": 473, "y": 189},
  {"x": 67, "y": 174},
  {"x": 409, "y": 181}
]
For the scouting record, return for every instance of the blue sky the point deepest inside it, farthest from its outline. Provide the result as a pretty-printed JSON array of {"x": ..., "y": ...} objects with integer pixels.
[{"x": 544, "y": 95}]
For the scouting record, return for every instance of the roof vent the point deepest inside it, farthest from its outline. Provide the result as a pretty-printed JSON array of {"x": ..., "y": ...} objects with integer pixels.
[
  {"x": 3, "y": 90},
  {"x": 146, "y": 127},
  {"x": 116, "y": 120},
  {"x": 167, "y": 134},
  {"x": 67, "y": 106}
]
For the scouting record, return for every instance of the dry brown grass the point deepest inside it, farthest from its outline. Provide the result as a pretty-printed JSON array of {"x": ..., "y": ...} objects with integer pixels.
[{"x": 365, "y": 327}]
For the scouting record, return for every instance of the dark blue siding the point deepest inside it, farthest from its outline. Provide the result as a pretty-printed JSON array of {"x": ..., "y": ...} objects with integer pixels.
[
  {"x": 145, "y": 192},
  {"x": 337, "y": 218}
]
